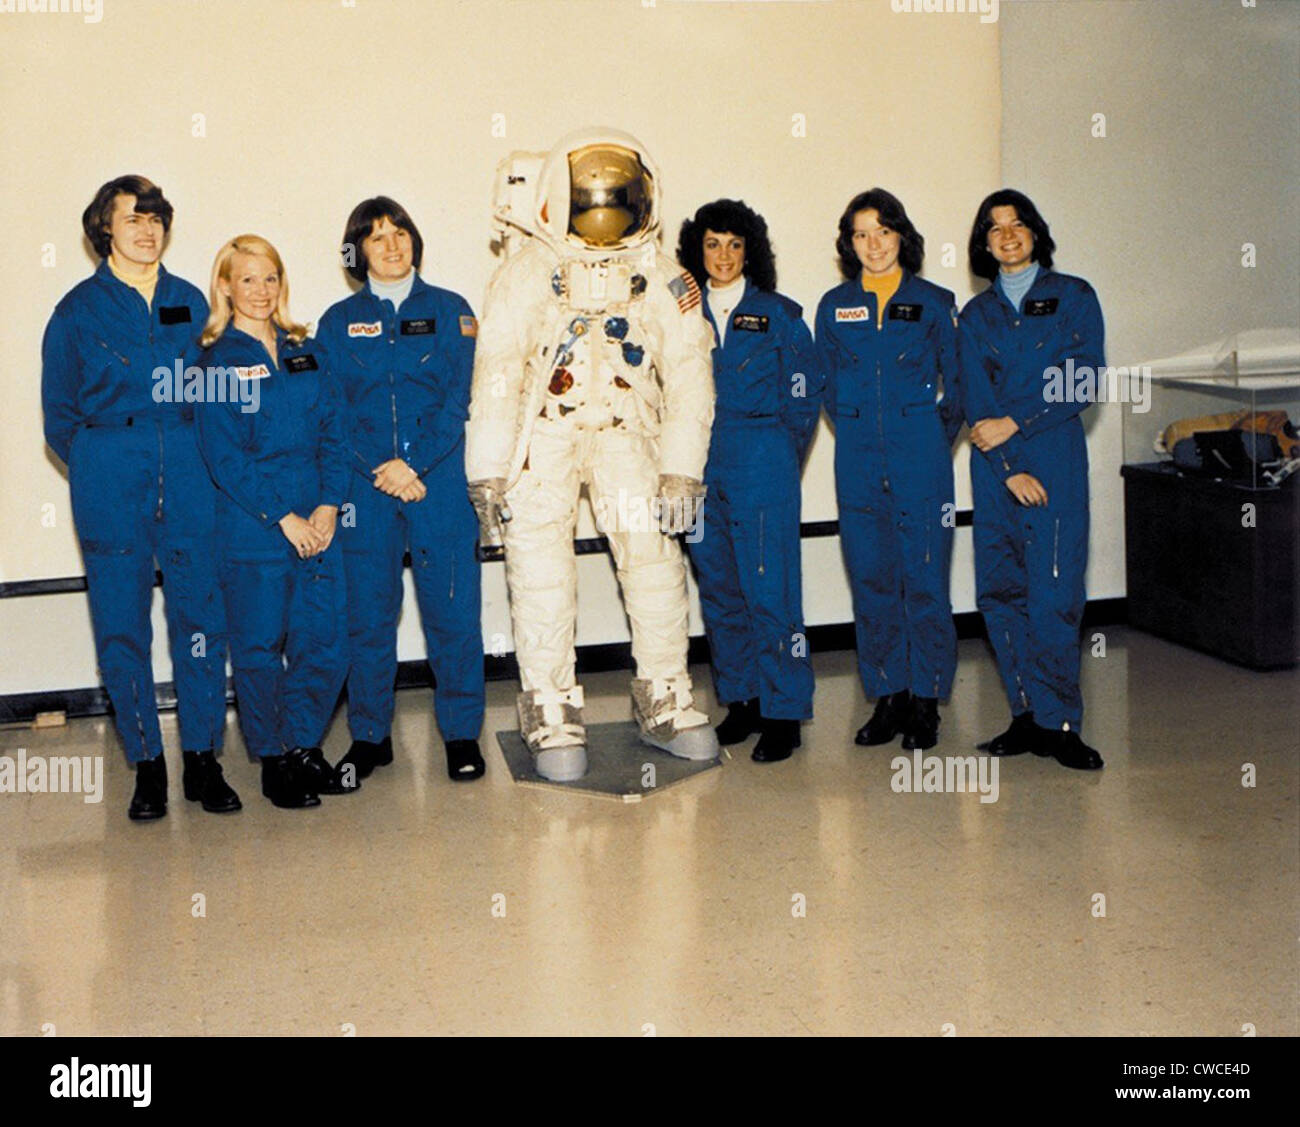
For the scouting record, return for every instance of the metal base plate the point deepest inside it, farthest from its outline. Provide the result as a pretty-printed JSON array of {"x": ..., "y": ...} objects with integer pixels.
[{"x": 619, "y": 765}]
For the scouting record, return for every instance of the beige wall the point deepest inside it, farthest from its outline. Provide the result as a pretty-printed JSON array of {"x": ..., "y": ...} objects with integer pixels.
[{"x": 309, "y": 106}]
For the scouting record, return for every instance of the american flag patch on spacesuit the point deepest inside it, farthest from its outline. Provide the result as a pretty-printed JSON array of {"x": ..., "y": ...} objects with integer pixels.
[
  {"x": 468, "y": 327},
  {"x": 687, "y": 293}
]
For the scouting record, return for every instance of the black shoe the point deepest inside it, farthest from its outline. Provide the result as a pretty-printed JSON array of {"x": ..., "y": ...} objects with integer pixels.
[
  {"x": 741, "y": 722},
  {"x": 464, "y": 760},
  {"x": 311, "y": 763},
  {"x": 921, "y": 728},
  {"x": 150, "y": 798},
  {"x": 886, "y": 721},
  {"x": 1069, "y": 750},
  {"x": 364, "y": 756},
  {"x": 203, "y": 782},
  {"x": 1023, "y": 735},
  {"x": 778, "y": 741},
  {"x": 285, "y": 785}
]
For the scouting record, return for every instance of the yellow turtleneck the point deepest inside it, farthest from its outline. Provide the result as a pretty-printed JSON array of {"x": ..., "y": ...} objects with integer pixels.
[
  {"x": 884, "y": 286},
  {"x": 143, "y": 284}
]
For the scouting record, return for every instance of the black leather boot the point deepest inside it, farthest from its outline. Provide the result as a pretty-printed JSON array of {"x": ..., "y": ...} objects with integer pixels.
[
  {"x": 203, "y": 782},
  {"x": 921, "y": 728},
  {"x": 778, "y": 740},
  {"x": 1023, "y": 735},
  {"x": 886, "y": 721},
  {"x": 285, "y": 785},
  {"x": 741, "y": 722},
  {"x": 365, "y": 756},
  {"x": 1069, "y": 750},
  {"x": 464, "y": 760},
  {"x": 311, "y": 764},
  {"x": 150, "y": 798}
]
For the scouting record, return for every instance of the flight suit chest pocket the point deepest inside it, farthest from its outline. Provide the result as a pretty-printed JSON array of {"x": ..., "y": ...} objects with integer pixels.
[{"x": 750, "y": 386}]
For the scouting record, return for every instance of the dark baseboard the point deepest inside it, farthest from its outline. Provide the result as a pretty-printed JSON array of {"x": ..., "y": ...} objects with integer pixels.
[{"x": 22, "y": 708}]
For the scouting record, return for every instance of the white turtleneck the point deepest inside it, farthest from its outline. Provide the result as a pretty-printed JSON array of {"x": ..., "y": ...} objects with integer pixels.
[
  {"x": 722, "y": 304},
  {"x": 393, "y": 292}
]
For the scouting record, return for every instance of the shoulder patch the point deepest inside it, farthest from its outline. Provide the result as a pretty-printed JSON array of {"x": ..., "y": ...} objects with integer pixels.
[
  {"x": 469, "y": 326},
  {"x": 684, "y": 289}
]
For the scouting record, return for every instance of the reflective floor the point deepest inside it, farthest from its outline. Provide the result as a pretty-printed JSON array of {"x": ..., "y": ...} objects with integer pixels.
[{"x": 1158, "y": 896}]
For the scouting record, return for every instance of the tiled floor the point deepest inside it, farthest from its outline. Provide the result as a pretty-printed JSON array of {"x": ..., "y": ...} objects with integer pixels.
[{"x": 423, "y": 906}]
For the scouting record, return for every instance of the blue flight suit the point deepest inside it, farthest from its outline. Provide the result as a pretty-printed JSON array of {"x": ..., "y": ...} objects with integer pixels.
[
  {"x": 1030, "y": 560},
  {"x": 287, "y": 456},
  {"x": 748, "y": 557},
  {"x": 139, "y": 491},
  {"x": 893, "y": 475},
  {"x": 405, "y": 376}
]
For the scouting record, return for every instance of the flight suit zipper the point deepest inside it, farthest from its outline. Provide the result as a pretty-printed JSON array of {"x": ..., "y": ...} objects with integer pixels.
[{"x": 392, "y": 377}]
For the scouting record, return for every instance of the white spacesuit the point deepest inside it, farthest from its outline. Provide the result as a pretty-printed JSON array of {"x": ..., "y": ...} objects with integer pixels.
[{"x": 592, "y": 368}]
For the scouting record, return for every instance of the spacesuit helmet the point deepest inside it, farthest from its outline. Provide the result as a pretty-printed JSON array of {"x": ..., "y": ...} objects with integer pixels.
[{"x": 599, "y": 191}]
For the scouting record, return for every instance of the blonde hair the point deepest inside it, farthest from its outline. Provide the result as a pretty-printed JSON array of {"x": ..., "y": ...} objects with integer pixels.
[{"x": 219, "y": 303}]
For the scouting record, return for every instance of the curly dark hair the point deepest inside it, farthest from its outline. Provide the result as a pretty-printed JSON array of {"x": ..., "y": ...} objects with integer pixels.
[
  {"x": 911, "y": 248},
  {"x": 982, "y": 262},
  {"x": 729, "y": 217},
  {"x": 98, "y": 216}
]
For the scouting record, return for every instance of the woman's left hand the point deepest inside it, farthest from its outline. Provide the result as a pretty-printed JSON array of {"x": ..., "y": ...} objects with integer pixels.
[
  {"x": 393, "y": 476},
  {"x": 989, "y": 434},
  {"x": 324, "y": 519}
]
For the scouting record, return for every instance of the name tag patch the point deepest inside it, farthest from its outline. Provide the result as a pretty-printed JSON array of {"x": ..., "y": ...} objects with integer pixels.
[
  {"x": 365, "y": 328},
  {"x": 853, "y": 313},
  {"x": 905, "y": 312},
  {"x": 1041, "y": 307},
  {"x": 174, "y": 315},
  {"x": 303, "y": 363},
  {"x": 420, "y": 327},
  {"x": 469, "y": 326},
  {"x": 749, "y": 323},
  {"x": 255, "y": 372}
]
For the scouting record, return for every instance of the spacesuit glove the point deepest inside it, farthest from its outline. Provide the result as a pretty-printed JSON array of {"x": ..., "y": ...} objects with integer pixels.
[
  {"x": 680, "y": 501},
  {"x": 489, "y": 500}
]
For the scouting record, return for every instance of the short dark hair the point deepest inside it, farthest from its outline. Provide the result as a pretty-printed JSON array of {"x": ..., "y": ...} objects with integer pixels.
[
  {"x": 362, "y": 222},
  {"x": 97, "y": 219},
  {"x": 911, "y": 249},
  {"x": 729, "y": 217},
  {"x": 982, "y": 262}
]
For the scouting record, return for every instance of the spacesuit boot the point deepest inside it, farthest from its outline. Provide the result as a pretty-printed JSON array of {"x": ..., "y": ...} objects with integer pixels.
[
  {"x": 666, "y": 713},
  {"x": 551, "y": 724}
]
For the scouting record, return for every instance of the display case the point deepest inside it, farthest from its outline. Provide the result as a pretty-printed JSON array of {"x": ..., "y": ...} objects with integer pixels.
[{"x": 1212, "y": 499}]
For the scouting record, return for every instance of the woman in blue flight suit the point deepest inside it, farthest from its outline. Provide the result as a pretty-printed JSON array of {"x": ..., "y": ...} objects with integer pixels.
[
  {"x": 113, "y": 354},
  {"x": 887, "y": 339},
  {"x": 276, "y": 450},
  {"x": 747, "y": 556},
  {"x": 1022, "y": 337},
  {"x": 404, "y": 354}
]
